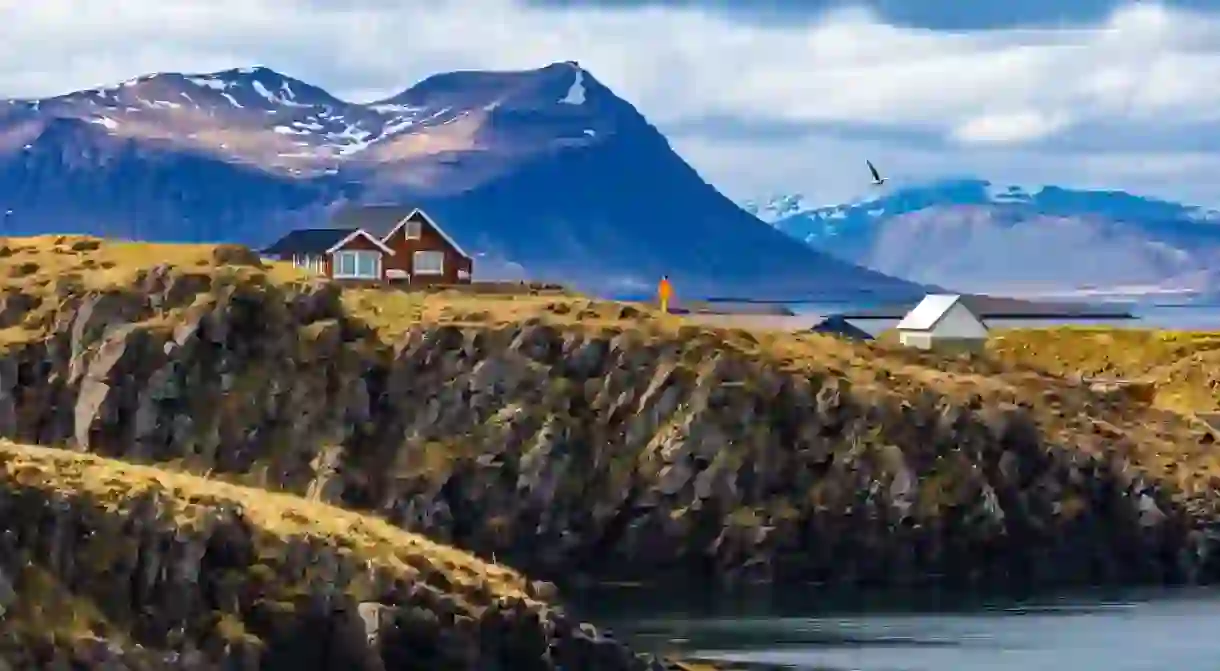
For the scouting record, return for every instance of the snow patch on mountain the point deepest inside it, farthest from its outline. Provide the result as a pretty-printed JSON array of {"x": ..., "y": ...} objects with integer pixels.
[
  {"x": 779, "y": 207},
  {"x": 210, "y": 82},
  {"x": 576, "y": 92}
]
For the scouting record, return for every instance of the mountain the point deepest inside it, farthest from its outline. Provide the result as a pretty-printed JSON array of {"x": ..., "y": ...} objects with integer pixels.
[
  {"x": 544, "y": 172},
  {"x": 970, "y": 233}
]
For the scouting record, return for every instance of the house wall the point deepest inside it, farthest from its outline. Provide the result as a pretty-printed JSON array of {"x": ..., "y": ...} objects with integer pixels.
[
  {"x": 917, "y": 339},
  {"x": 957, "y": 330},
  {"x": 927, "y": 341},
  {"x": 428, "y": 240},
  {"x": 959, "y": 322},
  {"x": 359, "y": 243}
]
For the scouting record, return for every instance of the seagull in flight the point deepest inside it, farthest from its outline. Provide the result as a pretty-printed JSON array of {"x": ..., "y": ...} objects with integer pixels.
[{"x": 878, "y": 180}]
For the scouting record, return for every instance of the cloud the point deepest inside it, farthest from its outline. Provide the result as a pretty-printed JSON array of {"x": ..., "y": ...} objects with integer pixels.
[
  {"x": 754, "y": 104},
  {"x": 1016, "y": 127}
]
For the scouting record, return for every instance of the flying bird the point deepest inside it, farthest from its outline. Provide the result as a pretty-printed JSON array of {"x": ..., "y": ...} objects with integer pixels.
[{"x": 878, "y": 180}]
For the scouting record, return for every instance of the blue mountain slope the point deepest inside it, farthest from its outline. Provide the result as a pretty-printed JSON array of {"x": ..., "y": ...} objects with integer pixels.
[
  {"x": 544, "y": 169},
  {"x": 118, "y": 188},
  {"x": 972, "y": 233}
]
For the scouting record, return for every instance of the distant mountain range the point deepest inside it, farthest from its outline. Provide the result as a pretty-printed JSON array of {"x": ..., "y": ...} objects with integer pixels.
[
  {"x": 543, "y": 173},
  {"x": 976, "y": 236}
]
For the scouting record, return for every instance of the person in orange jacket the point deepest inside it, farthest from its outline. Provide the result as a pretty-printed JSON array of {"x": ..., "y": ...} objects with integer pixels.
[{"x": 664, "y": 292}]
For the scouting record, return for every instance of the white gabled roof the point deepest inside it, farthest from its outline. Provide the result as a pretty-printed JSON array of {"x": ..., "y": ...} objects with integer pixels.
[
  {"x": 360, "y": 233},
  {"x": 931, "y": 309}
]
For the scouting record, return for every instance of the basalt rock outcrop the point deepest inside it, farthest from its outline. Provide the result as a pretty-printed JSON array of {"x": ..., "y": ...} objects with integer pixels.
[
  {"x": 104, "y": 565},
  {"x": 608, "y": 451}
]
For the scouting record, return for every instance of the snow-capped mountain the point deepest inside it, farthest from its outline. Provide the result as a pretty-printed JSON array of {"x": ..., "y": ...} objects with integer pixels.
[
  {"x": 1050, "y": 240},
  {"x": 543, "y": 170},
  {"x": 259, "y": 116}
]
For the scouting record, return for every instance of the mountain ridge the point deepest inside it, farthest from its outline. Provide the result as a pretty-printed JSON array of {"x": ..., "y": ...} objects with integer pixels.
[
  {"x": 540, "y": 169},
  {"x": 1009, "y": 238}
]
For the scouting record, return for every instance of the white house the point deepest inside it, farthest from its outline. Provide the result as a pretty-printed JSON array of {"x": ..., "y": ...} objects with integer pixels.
[{"x": 942, "y": 321}]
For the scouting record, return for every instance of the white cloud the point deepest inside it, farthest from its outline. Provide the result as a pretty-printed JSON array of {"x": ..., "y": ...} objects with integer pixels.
[
  {"x": 1145, "y": 66},
  {"x": 1008, "y": 128}
]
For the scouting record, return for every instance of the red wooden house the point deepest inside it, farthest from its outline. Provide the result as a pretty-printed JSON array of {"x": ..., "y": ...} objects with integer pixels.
[{"x": 378, "y": 243}]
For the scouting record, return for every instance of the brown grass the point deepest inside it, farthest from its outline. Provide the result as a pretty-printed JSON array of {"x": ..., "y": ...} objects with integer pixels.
[
  {"x": 39, "y": 266},
  {"x": 1182, "y": 366},
  {"x": 391, "y": 311},
  {"x": 46, "y": 269}
]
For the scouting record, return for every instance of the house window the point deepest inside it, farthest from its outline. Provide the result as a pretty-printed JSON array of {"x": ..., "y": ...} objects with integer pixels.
[
  {"x": 312, "y": 263},
  {"x": 412, "y": 230},
  {"x": 429, "y": 263},
  {"x": 362, "y": 265}
]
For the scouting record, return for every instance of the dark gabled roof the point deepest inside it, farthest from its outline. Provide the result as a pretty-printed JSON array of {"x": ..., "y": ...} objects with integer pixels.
[
  {"x": 378, "y": 220},
  {"x": 309, "y": 241},
  {"x": 837, "y": 326},
  {"x": 999, "y": 307}
]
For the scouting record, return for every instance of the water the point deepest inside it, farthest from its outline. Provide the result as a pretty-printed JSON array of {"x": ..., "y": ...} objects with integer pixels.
[{"x": 1135, "y": 631}]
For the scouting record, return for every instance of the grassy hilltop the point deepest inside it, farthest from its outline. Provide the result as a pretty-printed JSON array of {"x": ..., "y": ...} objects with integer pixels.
[
  {"x": 560, "y": 434},
  {"x": 1181, "y": 367},
  {"x": 1027, "y": 368}
]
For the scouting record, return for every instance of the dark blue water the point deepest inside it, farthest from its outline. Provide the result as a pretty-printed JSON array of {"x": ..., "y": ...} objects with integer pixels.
[
  {"x": 1159, "y": 630},
  {"x": 1200, "y": 317}
]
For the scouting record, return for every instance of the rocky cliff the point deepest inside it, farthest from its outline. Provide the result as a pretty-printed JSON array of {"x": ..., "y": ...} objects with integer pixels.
[
  {"x": 109, "y": 565},
  {"x": 567, "y": 437}
]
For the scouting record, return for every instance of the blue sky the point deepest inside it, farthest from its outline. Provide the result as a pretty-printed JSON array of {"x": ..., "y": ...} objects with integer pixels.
[{"x": 759, "y": 96}]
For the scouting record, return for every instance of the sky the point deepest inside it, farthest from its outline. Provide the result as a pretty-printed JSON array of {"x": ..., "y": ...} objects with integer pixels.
[{"x": 760, "y": 97}]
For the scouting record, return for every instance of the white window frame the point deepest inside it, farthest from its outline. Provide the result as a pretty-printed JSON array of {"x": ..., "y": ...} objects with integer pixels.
[
  {"x": 310, "y": 262},
  {"x": 417, "y": 269},
  {"x": 338, "y": 258},
  {"x": 412, "y": 229}
]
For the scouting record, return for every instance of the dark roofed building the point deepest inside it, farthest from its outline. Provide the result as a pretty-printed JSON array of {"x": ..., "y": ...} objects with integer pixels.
[
  {"x": 391, "y": 242},
  {"x": 837, "y": 326}
]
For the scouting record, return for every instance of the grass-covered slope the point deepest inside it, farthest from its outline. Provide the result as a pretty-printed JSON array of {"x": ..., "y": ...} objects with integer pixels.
[
  {"x": 565, "y": 435},
  {"x": 1181, "y": 368}
]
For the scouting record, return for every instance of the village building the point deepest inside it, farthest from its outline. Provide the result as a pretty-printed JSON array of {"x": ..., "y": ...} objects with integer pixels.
[
  {"x": 943, "y": 322},
  {"x": 837, "y": 326},
  {"x": 378, "y": 243}
]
